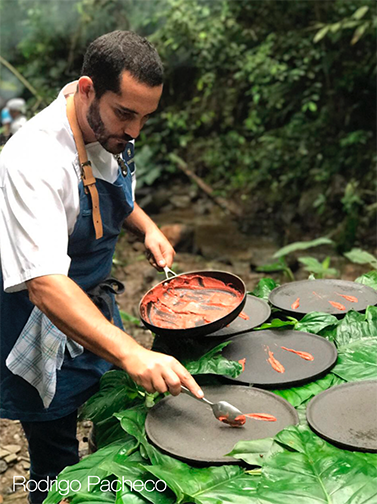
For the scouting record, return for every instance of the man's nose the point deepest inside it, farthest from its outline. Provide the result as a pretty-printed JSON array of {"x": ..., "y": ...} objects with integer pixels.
[{"x": 133, "y": 129}]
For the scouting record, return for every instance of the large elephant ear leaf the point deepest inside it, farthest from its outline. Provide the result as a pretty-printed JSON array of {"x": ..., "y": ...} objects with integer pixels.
[
  {"x": 298, "y": 395},
  {"x": 357, "y": 361},
  {"x": 87, "y": 471},
  {"x": 117, "y": 391},
  {"x": 209, "y": 485},
  {"x": 213, "y": 362},
  {"x": 369, "y": 279},
  {"x": 312, "y": 471},
  {"x": 264, "y": 287}
]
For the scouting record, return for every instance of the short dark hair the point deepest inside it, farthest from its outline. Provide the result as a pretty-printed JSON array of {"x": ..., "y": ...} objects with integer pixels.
[{"x": 109, "y": 55}]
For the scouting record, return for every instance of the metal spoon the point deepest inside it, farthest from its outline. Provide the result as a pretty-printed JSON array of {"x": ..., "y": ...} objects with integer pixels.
[{"x": 223, "y": 411}]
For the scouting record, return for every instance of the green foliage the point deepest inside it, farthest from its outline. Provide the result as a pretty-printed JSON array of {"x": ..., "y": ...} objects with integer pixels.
[
  {"x": 252, "y": 103},
  {"x": 369, "y": 279},
  {"x": 299, "y": 395},
  {"x": 319, "y": 269},
  {"x": 308, "y": 470},
  {"x": 293, "y": 247},
  {"x": 280, "y": 265},
  {"x": 264, "y": 287},
  {"x": 214, "y": 363},
  {"x": 294, "y": 466},
  {"x": 360, "y": 256},
  {"x": 312, "y": 265},
  {"x": 127, "y": 317}
]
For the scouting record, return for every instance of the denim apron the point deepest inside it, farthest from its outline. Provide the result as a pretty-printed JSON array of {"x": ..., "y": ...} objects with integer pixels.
[{"x": 91, "y": 262}]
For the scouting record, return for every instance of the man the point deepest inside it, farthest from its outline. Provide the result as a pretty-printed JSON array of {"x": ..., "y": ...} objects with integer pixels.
[
  {"x": 6, "y": 120},
  {"x": 16, "y": 107},
  {"x": 65, "y": 194}
]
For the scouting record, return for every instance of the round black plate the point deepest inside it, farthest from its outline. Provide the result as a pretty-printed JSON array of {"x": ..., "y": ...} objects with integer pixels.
[
  {"x": 187, "y": 429},
  {"x": 258, "y": 312},
  {"x": 259, "y": 372},
  {"x": 325, "y": 290},
  {"x": 346, "y": 415}
]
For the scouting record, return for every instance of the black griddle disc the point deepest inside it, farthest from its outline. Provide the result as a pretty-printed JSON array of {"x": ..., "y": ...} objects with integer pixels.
[
  {"x": 258, "y": 312},
  {"x": 254, "y": 347},
  {"x": 187, "y": 429},
  {"x": 327, "y": 290},
  {"x": 346, "y": 415}
]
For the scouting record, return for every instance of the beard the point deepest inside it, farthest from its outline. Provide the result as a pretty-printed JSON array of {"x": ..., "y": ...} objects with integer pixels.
[{"x": 114, "y": 144}]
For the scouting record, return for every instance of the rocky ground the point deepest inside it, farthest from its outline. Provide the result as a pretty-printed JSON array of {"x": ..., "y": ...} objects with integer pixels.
[{"x": 204, "y": 239}]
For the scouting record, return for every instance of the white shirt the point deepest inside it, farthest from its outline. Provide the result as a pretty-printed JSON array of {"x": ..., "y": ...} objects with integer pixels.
[
  {"x": 39, "y": 197},
  {"x": 17, "y": 124}
]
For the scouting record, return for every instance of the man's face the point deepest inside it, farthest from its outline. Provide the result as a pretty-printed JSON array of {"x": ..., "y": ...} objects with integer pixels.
[{"x": 115, "y": 119}]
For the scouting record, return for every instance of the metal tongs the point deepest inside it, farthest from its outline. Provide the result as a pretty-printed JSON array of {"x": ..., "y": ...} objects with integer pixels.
[{"x": 223, "y": 411}]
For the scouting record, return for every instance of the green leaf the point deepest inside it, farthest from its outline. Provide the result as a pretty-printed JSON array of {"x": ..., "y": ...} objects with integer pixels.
[
  {"x": 126, "y": 496},
  {"x": 255, "y": 452},
  {"x": 108, "y": 431},
  {"x": 321, "y": 33},
  {"x": 214, "y": 363},
  {"x": 314, "y": 266},
  {"x": 187, "y": 482},
  {"x": 315, "y": 322},
  {"x": 281, "y": 265},
  {"x": 298, "y": 395},
  {"x": 131, "y": 473},
  {"x": 293, "y": 247},
  {"x": 117, "y": 390},
  {"x": 276, "y": 324},
  {"x": 93, "y": 498},
  {"x": 361, "y": 11},
  {"x": 352, "y": 327},
  {"x": 132, "y": 421},
  {"x": 312, "y": 471},
  {"x": 369, "y": 279},
  {"x": 357, "y": 361},
  {"x": 210, "y": 485},
  {"x": 359, "y": 32},
  {"x": 88, "y": 471},
  {"x": 264, "y": 287},
  {"x": 126, "y": 317},
  {"x": 360, "y": 256}
]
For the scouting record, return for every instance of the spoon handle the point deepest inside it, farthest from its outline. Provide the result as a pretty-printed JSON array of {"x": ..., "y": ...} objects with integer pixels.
[{"x": 188, "y": 392}]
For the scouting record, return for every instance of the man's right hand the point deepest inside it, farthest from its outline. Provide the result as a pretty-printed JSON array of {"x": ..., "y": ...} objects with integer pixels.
[{"x": 157, "y": 372}]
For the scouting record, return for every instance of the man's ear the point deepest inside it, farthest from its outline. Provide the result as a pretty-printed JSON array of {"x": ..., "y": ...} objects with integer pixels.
[{"x": 85, "y": 89}]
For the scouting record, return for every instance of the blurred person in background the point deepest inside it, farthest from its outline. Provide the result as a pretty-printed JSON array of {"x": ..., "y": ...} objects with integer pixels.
[
  {"x": 6, "y": 120},
  {"x": 17, "y": 110}
]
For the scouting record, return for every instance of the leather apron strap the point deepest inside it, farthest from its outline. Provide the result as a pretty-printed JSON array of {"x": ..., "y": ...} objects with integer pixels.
[{"x": 86, "y": 169}]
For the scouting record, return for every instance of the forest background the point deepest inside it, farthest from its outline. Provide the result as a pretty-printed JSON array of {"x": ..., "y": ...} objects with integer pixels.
[{"x": 272, "y": 103}]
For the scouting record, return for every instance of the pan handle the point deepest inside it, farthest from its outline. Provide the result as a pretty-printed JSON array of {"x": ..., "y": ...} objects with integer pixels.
[{"x": 169, "y": 271}]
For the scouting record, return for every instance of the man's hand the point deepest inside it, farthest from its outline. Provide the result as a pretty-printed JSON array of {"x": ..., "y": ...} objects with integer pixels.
[
  {"x": 157, "y": 372},
  {"x": 159, "y": 250}
]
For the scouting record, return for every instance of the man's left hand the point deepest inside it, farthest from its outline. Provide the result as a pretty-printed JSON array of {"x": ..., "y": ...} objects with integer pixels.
[{"x": 159, "y": 251}]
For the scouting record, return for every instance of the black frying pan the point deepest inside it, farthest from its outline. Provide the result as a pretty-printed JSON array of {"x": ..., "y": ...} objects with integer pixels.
[
  {"x": 346, "y": 415},
  {"x": 186, "y": 429},
  {"x": 256, "y": 310},
  {"x": 258, "y": 371},
  {"x": 315, "y": 295},
  {"x": 204, "y": 329}
]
